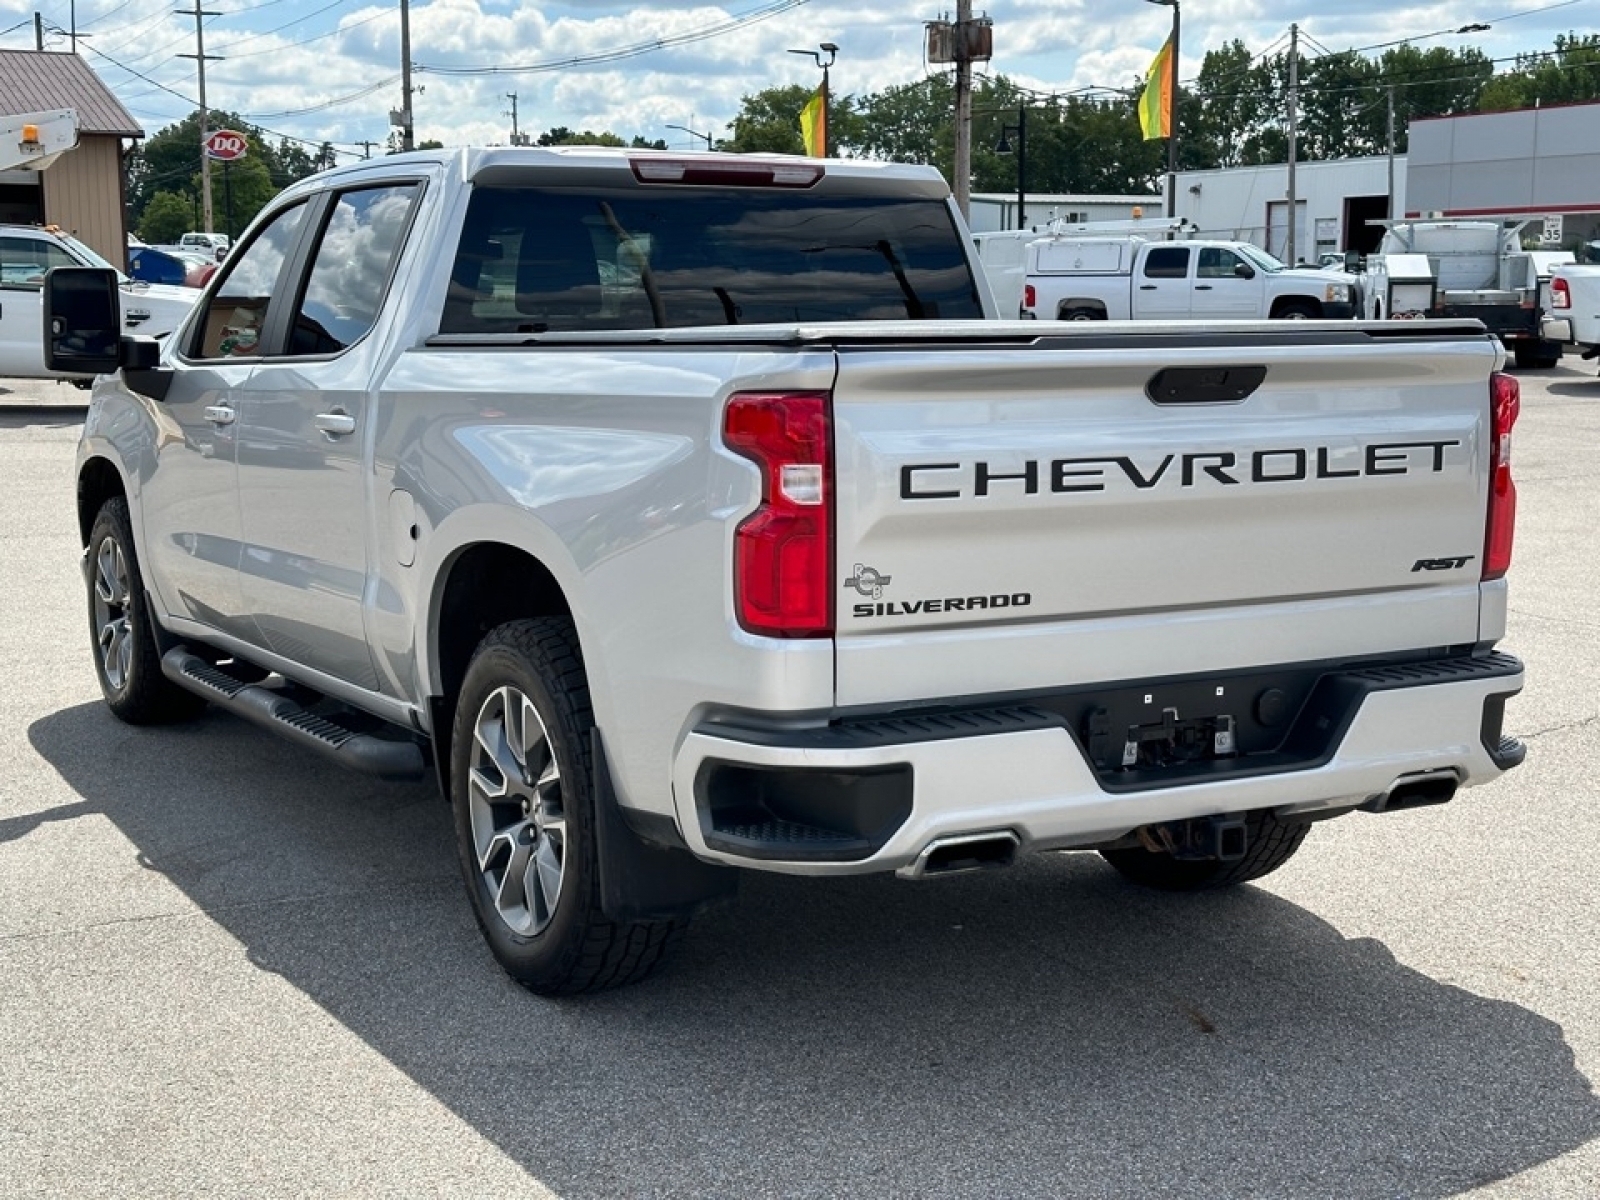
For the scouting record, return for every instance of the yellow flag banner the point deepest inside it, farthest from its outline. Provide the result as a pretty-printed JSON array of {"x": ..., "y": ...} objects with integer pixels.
[
  {"x": 1155, "y": 106},
  {"x": 814, "y": 125}
]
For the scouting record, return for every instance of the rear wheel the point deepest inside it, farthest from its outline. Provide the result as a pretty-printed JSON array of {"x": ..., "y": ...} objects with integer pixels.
[
  {"x": 1082, "y": 314},
  {"x": 126, "y": 659},
  {"x": 1271, "y": 844},
  {"x": 522, "y": 790},
  {"x": 1536, "y": 355}
]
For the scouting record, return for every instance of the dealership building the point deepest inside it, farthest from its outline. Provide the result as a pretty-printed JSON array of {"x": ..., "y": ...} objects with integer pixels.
[{"x": 1538, "y": 163}]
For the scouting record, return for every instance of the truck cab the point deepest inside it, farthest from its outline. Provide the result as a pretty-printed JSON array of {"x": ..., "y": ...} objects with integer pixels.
[
  {"x": 1133, "y": 279},
  {"x": 27, "y": 252}
]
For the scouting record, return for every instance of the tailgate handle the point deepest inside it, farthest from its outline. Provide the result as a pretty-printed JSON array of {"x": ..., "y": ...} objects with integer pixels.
[{"x": 1203, "y": 385}]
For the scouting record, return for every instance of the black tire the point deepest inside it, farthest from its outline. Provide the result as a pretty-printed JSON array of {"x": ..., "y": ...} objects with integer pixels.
[
  {"x": 1082, "y": 314},
  {"x": 127, "y": 660},
  {"x": 1272, "y": 843},
  {"x": 1536, "y": 355},
  {"x": 541, "y": 816},
  {"x": 1296, "y": 310}
]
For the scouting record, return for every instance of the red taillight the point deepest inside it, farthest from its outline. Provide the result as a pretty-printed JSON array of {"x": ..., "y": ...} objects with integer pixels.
[
  {"x": 1560, "y": 294},
  {"x": 783, "y": 552},
  {"x": 1029, "y": 296},
  {"x": 1505, "y": 402}
]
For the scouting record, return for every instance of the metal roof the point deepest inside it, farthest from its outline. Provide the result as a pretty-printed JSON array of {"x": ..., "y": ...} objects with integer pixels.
[{"x": 31, "y": 81}]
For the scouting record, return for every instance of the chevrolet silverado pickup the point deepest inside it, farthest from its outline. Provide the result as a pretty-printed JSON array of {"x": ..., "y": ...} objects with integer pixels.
[{"x": 693, "y": 514}]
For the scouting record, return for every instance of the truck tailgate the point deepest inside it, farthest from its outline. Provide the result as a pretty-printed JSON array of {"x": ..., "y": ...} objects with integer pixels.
[{"x": 1102, "y": 506}]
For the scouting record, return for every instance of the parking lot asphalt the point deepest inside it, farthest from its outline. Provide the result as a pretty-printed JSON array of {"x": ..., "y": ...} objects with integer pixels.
[{"x": 227, "y": 969}]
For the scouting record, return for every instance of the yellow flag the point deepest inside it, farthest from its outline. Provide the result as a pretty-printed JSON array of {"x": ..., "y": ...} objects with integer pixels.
[
  {"x": 1155, "y": 105},
  {"x": 814, "y": 125}
]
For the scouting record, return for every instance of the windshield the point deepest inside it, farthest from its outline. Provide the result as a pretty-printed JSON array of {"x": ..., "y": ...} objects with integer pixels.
[
  {"x": 89, "y": 256},
  {"x": 1260, "y": 258}
]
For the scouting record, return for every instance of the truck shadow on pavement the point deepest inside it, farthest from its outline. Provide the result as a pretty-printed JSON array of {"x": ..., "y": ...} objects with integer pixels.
[{"x": 1049, "y": 1031}]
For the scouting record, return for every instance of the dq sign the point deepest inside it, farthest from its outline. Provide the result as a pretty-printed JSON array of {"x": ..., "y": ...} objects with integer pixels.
[{"x": 225, "y": 145}]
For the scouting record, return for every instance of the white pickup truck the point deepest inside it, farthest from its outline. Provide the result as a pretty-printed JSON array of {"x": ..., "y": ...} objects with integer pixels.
[
  {"x": 1573, "y": 312},
  {"x": 1119, "y": 279},
  {"x": 26, "y": 253},
  {"x": 692, "y": 513}
]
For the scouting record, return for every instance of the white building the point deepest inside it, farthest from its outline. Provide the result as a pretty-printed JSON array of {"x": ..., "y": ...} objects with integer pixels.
[
  {"x": 1336, "y": 202},
  {"x": 993, "y": 211}
]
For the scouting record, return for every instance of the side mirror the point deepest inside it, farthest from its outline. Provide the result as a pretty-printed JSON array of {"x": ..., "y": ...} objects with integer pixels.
[
  {"x": 1244, "y": 270},
  {"x": 82, "y": 321}
]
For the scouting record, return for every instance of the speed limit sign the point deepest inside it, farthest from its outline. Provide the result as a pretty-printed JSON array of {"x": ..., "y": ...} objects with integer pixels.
[{"x": 225, "y": 145}]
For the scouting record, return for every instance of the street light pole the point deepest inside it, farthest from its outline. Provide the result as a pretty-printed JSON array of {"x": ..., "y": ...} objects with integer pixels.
[
  {"x": 1004, "y": 147},
  {"x": 692, "y": 133},
  {"x": 1172, "y": 110}
]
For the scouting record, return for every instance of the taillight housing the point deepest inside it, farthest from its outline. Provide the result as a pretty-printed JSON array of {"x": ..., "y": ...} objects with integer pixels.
[
  {"x": 783, "y": 552},
  {"x": 1560, "y": 294},
  {"x": 1505, "y": 403},
  {"x": 1030, "y": 298}
]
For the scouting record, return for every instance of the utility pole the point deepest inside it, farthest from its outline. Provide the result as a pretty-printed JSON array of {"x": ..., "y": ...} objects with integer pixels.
[
  {"x": 963, "y": 164},
  {"x": 516, "y": 135},
  {"x": 38, "y": 32},
  {"x": 1294, "y": 127},
  {"x": 408, "y": 139},
  {"x": 201, "y": 57},
  {"x": 366, "y": 148},
  {"x": 1391, "y": 152}
]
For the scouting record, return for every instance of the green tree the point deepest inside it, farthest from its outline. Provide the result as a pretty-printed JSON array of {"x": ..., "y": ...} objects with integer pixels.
[
  {"x": 768, "y": 121},
  {"x": 1568, "y": 75},
  {"x": 166, "y": 218},
  {"x": 239, "y": 190}
]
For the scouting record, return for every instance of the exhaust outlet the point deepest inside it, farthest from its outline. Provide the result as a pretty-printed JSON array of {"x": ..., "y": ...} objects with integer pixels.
[
  {"x": 1416, "y": 791},
  {"x": 969, "y": 852}
]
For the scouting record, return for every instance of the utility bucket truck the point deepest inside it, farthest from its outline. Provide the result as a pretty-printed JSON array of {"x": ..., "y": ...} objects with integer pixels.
[{"x": 1477, "y": 268}]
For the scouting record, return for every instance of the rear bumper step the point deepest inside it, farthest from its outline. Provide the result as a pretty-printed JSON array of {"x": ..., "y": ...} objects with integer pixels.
[{"x": 286, "y": 716}]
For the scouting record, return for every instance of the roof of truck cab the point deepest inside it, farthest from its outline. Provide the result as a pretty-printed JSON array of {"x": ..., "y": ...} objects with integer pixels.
[{"x": 475, "y": 162}]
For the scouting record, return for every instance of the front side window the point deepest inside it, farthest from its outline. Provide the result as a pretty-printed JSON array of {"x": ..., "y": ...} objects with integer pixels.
[
  {"x": 1167, "y": 262},
  {"x": 1217, "y": 263},
  {"x": 236, "y": 315},
  {"x": 351, "y": 270},
  {"x": 23, "y": 261},
  {"x": 533, "y": 260}
]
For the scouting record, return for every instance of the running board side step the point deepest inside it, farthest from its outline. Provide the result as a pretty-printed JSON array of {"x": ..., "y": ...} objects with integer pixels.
[{"x": 283, "y": 715}]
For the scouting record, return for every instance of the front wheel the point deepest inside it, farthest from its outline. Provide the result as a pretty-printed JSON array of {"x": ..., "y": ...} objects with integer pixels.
[
  {"x": 522, "y": 790},
  {"x": 1296, "y": 311},
  {"x": 1271, "y": 844},
  {"x": 126, "y": 658}
]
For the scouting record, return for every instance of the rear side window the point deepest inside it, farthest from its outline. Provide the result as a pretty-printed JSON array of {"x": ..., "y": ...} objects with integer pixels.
[
  {"x": 533, "y": 260},
  {"x": 350, "y": 272},
  {"x": 1167, "y": 262}
]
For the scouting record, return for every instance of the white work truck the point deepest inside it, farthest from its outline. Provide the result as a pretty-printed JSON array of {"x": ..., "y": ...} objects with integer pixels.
[
  {"x": 691, "y": 514},
  {"x": 27, "y": 252},
  {"x": 1572, "y": 316},
  {"x": 1131, "y": 278}
]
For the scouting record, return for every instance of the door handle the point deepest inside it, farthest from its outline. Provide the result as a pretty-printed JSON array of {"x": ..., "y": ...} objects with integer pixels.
[
  {"x": 1147, "y": 287},
  {"x": 219, "y": 414},
  {"x": 334, "y": 424},
  {"x": 1202, "y": 287}
]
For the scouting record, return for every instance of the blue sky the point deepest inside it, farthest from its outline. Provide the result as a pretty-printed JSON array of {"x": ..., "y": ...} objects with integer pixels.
[{"x": 329, "y": 69}]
